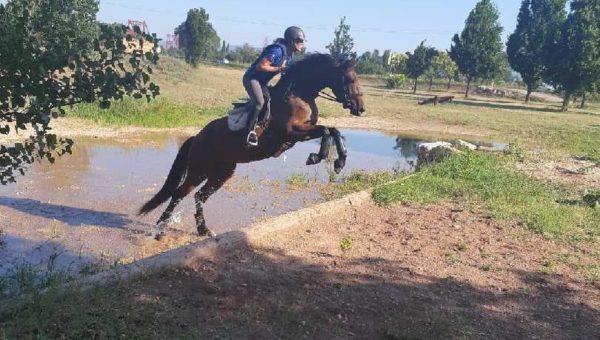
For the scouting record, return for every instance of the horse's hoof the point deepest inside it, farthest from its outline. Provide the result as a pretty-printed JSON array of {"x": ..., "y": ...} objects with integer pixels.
[
  {"x": 204, "y": 231},
  {"x": 313, "y": 158},
  {"x": 338, "y": 165},
  {"x": 159, "y": 236}
]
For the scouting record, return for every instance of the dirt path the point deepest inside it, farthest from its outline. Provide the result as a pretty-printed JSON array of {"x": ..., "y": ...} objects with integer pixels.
[{"x": 407, "y": 273}]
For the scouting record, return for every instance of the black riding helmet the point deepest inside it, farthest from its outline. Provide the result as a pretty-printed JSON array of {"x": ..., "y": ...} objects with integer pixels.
[{"x": 293, "y": 33}]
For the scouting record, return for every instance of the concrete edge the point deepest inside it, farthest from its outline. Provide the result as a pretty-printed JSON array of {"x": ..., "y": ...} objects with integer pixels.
[{"x": 186, "y": 256}]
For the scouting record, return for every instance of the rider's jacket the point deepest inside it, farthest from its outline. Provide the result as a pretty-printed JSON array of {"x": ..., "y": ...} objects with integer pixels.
[{"x": 276, "y": 53}]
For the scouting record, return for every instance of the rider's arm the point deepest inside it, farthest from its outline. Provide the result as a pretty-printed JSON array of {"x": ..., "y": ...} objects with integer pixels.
[{"x": 265, "y": 66}]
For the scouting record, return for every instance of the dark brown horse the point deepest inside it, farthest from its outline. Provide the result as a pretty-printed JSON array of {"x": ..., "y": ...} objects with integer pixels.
[{"x": 213, "y": 153}]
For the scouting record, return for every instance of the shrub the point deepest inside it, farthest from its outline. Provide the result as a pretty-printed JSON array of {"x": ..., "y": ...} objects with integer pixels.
[{"x": 395, "y": 81}]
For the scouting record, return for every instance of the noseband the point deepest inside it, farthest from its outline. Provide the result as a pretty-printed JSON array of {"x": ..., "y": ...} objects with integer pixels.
[{"x": 346, "y": 101}]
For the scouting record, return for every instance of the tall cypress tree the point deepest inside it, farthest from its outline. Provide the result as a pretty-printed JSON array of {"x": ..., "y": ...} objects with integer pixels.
[
  {"x": 478, "y": 50},
  {"x": 577, "y": 58},
  {"x": 342, "y": 44},
  {"x": 198, "y": 38},
  {"x": 538, "y": 25}
]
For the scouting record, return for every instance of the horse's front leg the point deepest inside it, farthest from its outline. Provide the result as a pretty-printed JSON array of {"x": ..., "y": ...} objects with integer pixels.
[
  {"x": 311, "y": 132},
  {"x": 342, "y": 152}
]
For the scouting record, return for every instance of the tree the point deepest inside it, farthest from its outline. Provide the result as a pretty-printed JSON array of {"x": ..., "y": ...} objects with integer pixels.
[
  {"x": 577, "y": 59},
  {"x": 442, "y": 66},
  {"x": 537, "y": 26},
  {"x": 398, "y": 63},
  {"x": 53, "y": 55},
  {"x": 244, "y": 54},
  {"x": 342, "y": 44},
  {"x": 478, "y": 49},
  {"x": 197, "y": 37},
  {"x": 419, "y": 61},
  {"x": 371, "y": 63}
]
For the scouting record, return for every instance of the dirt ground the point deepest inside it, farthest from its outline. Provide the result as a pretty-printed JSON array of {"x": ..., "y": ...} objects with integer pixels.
[{"x": 404, "y": 272}]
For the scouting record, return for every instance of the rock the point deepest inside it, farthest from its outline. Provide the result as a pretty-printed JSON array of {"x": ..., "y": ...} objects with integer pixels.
[
  {"x": 466, "y": 145},
  {"x": 433, "y": 153}
]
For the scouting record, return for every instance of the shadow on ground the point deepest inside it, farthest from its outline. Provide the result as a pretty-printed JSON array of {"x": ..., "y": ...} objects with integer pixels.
[
  {"x": 260, "y": 293},
  {"x": 69, "y": 215}
]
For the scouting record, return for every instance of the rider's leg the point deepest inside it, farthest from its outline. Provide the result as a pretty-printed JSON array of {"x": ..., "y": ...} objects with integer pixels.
[{"x": 254, "y": 89}]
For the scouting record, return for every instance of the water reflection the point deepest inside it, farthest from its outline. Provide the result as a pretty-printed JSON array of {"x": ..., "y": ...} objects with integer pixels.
[{"x": 408, "y": 146}]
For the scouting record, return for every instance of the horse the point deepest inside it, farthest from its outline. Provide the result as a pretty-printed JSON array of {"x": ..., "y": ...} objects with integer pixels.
[{"x": 211, "y": 155}]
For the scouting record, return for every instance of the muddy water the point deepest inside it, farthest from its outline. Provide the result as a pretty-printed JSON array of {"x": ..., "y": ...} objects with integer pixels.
[{"x": 81, "y": 211}]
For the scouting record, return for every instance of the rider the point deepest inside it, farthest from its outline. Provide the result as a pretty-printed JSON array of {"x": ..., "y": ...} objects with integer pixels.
[{"x": 273, "y": 60}]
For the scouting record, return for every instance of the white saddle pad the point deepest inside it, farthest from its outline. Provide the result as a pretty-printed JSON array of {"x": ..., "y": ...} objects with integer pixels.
[{"x": 237, "y": 119}]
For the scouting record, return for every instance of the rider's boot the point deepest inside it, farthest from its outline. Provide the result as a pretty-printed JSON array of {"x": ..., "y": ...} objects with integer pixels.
[{"x": 252, "y": 138}]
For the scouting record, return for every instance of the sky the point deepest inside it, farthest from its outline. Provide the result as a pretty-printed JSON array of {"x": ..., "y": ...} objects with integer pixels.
[{"x": 399, "y": 25}]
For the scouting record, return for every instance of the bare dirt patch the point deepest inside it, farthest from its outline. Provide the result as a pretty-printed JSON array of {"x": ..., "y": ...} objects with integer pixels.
[
  {"x": 406, "y": 272},
  {"x": 581, "y": 173},
  {"x": 421, "y": 128}
]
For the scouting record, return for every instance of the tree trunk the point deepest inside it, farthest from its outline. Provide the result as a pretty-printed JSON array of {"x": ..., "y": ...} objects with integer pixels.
[
  {"x": 468, "y": 85},
  {"x": 415, "y": 87},
  {"x": 449, "y": 81},
  {"x": 565, "y": 104},
  {"x": 430, "y": 83},
  {"x": 528, "y": 95},
  {"x": 582, "y": 101}
]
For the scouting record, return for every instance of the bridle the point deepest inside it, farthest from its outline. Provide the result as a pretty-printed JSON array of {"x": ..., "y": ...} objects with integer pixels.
[{"x": 347, "y": 100}]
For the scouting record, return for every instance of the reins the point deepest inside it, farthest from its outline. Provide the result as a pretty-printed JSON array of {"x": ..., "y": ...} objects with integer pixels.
[{"x": 327, "y": 96}]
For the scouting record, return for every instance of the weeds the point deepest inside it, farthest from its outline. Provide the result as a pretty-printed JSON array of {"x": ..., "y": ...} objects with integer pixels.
[
  {"x": 357, "y": 181},
  {"x": 2, "y": 239},
  {"x": 346, "y": 243},
  {"x": 474, "y": 177},
  {"x": 297, "y": 182},
  {"x": 547, "y": 267}
]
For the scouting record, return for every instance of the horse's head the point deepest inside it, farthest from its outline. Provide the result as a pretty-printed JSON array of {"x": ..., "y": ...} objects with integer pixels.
[{"x": 346, "y": 87}]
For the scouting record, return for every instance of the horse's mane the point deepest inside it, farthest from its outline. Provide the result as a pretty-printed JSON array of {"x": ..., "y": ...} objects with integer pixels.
[{"x": 310, "y": 62}]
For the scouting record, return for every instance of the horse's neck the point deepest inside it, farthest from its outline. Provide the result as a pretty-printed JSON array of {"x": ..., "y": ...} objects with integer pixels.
[{"x": 307, "y": 88}]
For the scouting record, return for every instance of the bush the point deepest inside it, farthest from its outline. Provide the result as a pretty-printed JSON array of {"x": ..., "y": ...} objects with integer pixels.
[{"x": 395, "y": 81}]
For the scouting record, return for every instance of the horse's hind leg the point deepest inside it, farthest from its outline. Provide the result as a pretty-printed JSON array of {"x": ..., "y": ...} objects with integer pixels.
[
  {"x": 183, "y": 190},
  {"x": 218, "y": 176},
  {"x": 340, "y": 162},
  {"x": 312, "y": 132}
]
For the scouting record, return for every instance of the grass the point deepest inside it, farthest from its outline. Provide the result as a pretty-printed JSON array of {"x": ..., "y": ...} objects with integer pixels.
[
  {"x": 2, "y": 240},
  {"x": 357, "y": 181},
  {"x": 160, "y": 113},
  {"x": 346, "y": 243},
  {"x": 75, "y": 314},
  {"x": 475, "y": 179},
  {"x": 298, "y": 182}
]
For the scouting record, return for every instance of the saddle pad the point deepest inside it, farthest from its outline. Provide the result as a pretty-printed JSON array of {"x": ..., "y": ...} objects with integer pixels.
[{"x": 237, "y": 118}]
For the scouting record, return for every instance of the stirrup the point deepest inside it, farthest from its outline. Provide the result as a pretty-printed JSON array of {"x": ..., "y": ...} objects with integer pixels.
[{"x": 252, "y": 141}]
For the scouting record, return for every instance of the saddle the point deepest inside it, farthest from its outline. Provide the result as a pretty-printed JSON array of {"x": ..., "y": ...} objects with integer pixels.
[{"x": 238, "y": 116}]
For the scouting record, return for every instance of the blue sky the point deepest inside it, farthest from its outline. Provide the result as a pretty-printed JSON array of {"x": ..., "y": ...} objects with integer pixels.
[
  {"x": 399, "y": 25},
  {"x": 396, "y": 24}
]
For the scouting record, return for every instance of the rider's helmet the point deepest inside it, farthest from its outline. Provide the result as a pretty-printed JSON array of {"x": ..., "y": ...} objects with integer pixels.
[{"x": 293, "y": 33}]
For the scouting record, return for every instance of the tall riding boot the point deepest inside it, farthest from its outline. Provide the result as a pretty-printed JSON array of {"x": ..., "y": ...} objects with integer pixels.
[{"x": 252, "y": 139}]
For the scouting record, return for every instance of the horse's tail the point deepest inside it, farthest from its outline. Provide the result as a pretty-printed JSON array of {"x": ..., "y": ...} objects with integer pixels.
[{"x": 173, "y": 179}]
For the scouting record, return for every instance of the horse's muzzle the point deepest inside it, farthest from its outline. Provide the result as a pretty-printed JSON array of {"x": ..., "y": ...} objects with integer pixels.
[{"x": 356, "y": 111}]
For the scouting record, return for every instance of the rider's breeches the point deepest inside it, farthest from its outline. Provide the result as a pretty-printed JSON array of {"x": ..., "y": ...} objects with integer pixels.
[{"x": 254, "y": 89}]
